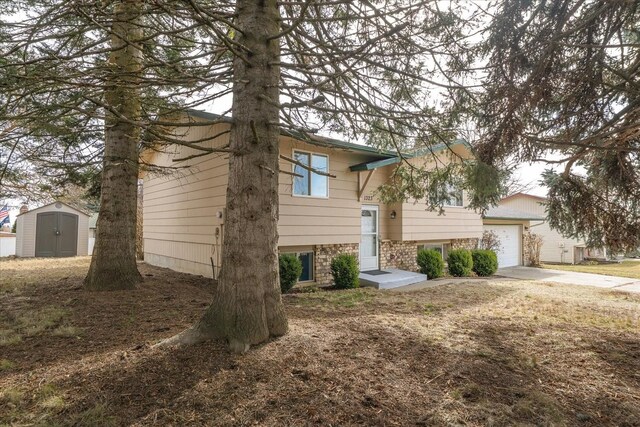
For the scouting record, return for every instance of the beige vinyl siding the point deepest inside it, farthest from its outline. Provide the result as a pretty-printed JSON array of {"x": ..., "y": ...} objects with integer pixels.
[
  {"x": 525, "y": 204},
  {"x": 22, "y": 235},
  {"x": 26, "y": 230},
  {"x": 180, "y": 207},
  {"x": 551, "y": 239},
  {"x": 455, "y": 223},
  {"x": 306, "y": 220}
]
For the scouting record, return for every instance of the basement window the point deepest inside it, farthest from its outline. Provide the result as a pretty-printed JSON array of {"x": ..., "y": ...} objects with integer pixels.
[
  {"x": 306, "y": 258},
  {"x": 442, "y": 248}
]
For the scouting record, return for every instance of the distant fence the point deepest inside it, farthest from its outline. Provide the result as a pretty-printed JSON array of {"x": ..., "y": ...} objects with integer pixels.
[{"x": 7, "y": 245}]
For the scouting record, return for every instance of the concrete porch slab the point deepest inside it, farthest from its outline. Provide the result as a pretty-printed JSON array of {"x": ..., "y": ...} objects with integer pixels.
[{"x": 393, "y": 279}]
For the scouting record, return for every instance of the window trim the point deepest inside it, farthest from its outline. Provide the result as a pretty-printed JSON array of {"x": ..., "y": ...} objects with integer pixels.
[
  {"x": 293, "y": 177},
  {"x": 442, "y": 244},
  {"x": 447, "y": 205},
  {"x": 423, "y": 246}
]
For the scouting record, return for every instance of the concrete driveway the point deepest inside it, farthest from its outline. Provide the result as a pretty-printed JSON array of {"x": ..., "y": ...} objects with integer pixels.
[{"x": 572, "y": 278}]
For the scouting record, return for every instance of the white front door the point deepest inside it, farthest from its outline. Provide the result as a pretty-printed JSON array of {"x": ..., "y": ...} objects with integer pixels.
[{"x": 369, "y": 238}]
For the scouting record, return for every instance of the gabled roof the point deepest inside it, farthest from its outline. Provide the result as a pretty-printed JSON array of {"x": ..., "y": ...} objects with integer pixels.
[
  {"x": 384, "y": 157},
  {"x": 311, "y": 139},
  {"x": 397, "y": 159},
  {"x": 501, "y": 212},
  {"x": 53, "y": 203},
  {"x": 520, "y": 194}
]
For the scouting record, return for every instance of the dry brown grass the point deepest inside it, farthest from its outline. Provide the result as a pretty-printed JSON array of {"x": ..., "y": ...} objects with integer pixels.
[
  {"x": 503, "y": 353},
  {"x": 629, "y": 269},
  {"x": 17, "y": 273}
]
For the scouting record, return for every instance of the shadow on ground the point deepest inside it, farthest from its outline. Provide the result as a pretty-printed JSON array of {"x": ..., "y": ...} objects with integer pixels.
[{"x": 468, "y": 354}]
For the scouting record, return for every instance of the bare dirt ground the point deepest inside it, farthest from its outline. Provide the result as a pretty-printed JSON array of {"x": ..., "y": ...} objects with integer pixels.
[{"x": 502, "y": 353}]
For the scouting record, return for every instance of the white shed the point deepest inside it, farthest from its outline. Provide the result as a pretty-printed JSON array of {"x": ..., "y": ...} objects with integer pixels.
[{"x": 53, "y": 230}]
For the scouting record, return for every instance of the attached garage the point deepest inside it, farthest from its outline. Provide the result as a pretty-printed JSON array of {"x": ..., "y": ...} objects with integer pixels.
[
  {"x": 509, "y": 225},
  {"x": 54, "y": 230},
  {"x": 510, "y": 237}
]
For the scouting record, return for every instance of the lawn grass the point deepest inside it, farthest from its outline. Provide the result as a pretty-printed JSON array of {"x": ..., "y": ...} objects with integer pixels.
[
  {"x": 476, "y": 353},
  {"x": 17, "y": 274},
  {"x": 629, "y": 269}
]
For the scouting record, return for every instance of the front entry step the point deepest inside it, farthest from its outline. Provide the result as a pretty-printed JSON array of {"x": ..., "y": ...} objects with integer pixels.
[{"x": 390, "y": 278}]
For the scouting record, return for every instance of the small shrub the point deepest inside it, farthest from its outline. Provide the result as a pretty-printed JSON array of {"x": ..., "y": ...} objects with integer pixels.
[
  {"x": 485, "y": 262},
  {"x": 431, "y": 263},
  {"x": 344, "y": 269},
  {"x": 533, "y": 243},
  {"x": 290, "y": 271},
  {"x": 490, "y": 241},
  {"x": 460, "y": 262}
]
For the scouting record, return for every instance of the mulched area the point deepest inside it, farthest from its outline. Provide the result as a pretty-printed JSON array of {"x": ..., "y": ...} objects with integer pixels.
[{"x": 503, "y": 353}]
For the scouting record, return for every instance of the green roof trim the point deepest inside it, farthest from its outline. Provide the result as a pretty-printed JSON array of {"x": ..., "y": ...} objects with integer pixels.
[
  {"x": 385, "y": 157},
  {"x": 511, "y": 219},
  {"x": 375, "y": 164},
  {"x": 367, "y": 166},
  {"x": 315, "y": 139}
]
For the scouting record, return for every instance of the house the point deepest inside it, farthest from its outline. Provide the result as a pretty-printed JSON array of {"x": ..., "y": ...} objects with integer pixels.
[
  {"x": 556, "y": 248},
  {"x": 53, "y": 230},
  {"x": 320, "y": 216}
]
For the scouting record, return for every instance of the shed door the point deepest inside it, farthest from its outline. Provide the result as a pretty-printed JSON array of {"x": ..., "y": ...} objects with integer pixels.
[
  {"x": 56, "y": 234},
  {"x": 68, "y": 237},
  {"x": 46, "y": 241}
]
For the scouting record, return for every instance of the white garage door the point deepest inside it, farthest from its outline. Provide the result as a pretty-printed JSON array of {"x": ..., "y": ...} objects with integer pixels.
[{"x": 509, "y": 235}]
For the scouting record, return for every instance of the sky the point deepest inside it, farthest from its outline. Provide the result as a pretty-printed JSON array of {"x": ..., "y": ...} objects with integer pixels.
[
  {"x": 531, "y": 173},
  {"x": 527, "y": 174}
]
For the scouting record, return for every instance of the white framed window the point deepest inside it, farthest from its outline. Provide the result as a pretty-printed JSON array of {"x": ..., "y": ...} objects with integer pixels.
[
  {"x": 306, "y": 258},
  {"x": 309, "y": 183},
  {"x": 455, "y": 197},
  {"x": 443, "y": 248}
]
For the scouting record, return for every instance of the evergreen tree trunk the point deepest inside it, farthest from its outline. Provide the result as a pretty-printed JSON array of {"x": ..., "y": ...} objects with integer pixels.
[
  {"x": 247, "y": 307},
  {"x": 113, "y": 265}
]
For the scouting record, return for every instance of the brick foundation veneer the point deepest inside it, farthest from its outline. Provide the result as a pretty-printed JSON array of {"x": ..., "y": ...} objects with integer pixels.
[
  {"x": 324, "y": 254},
  {"x": 399, "y": 254},
  {"x": 464, "y": 243}
]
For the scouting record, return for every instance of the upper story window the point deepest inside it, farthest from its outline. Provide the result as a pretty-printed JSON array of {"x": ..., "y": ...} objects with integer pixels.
[
  {"x": 310, "y": 183},
  {"x": 454, "y": 196}
]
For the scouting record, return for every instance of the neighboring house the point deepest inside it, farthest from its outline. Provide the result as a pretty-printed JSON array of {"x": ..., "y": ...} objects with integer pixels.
[
  {"x": 320, "y": 216},
  {"x": 555, "y": 247},
  {"x": 510, "y": 226},
  {"x": 53, "y": 230},
  {"x": 93, "y": 221}
]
